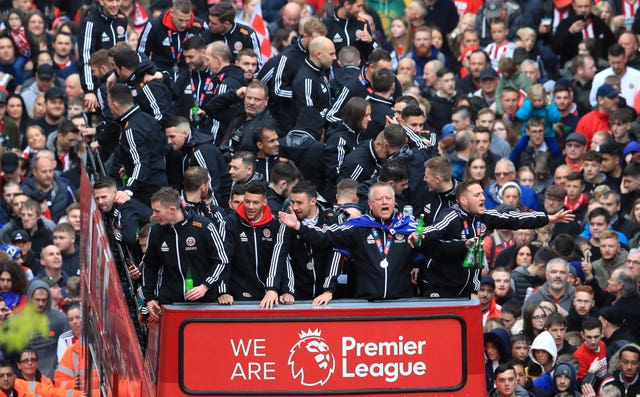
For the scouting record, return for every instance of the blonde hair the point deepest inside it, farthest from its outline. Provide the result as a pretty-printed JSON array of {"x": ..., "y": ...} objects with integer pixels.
[
  {"x": 526, "y": 32},
  {"x": 537, "y": 91}
]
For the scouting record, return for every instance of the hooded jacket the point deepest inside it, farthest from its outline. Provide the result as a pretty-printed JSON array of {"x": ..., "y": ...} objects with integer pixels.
[
  {"x": 47, "y": 349},
  {"x": 568, "y": 370},
  {"x": 632, "y": 389},
  {"x": 501, "y": 340},
  {"x": 257, "y": 254},
  {"x": 162, "y": 43},
  {"x": 303, "y": 146},
  {"x": 544, "y": 341}
]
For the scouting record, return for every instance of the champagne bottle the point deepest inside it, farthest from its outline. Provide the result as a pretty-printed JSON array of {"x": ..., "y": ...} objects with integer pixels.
[
  {"x": 479, "y": 254},
  {"x": 470, "y": 257},
  {"x": 419, "y": 230},
  {"x": 188, "y": 281}
]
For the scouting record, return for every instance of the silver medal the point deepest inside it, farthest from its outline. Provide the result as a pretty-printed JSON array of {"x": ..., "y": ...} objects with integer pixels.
[
  {"x": 384, "y": 264},
  {"x": 310, "y": 265}
]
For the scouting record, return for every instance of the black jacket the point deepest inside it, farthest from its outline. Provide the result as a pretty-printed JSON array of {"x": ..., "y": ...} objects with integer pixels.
[
  {"x": 432, "y": 203},
  {"x": 444, "y": 242},
  {"x": 154, "y": 96},
  {"x": 341, "y": 140},
  {"x": 257, "y": 255},
  {"x": 229, "y": 78},
  {"x": 345, "y": 32},
  {"x": 97, "y": 31},
  {"x": 308, "y": 265},
  {"x": 311, "y": 88},
  {"x": 233, "y": 129},
  {"x": 162, "y": 43},
  {"x": 193, "y": 86},
  {"x": 302, "y": 145},
  {"x": 566, "y": 44},
  {"x": 173, "y": 250},
  {"x": 361, "y": 164},
  {"x": 278, "y": 73},
  {"x": 372, "y": 280},
  {"x": 199, "y": 150},
  {"x": 140, "y": 152},
  {"x": 380, "y": 109},
  {"x": 239, "y": 37}
]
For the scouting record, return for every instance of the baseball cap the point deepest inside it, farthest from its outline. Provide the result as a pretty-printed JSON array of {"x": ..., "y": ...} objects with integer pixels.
[
  {"x": 20, "y": 235},
  {"x": 9, "y": 162},
  {"x": 613, "y": 315},
  {"x": 51, "y": 281},
  {"x": 493, "y": 8},
  {"x": 489, "y": 73},
  {"x": 607, "y": 90},
  {"x": 53, "y": 93},
  {"x": 576, "y": 137},
  {"x": 488, "y": 280},
  {"x": 45, "y": 71}
]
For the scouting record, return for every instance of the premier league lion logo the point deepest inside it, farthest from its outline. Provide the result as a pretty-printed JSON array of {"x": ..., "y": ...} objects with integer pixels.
[{"x": 311, "y": 360}]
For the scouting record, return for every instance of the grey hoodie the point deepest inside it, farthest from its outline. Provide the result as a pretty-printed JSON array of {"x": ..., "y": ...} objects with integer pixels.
[{"x": 47, "y": 348}]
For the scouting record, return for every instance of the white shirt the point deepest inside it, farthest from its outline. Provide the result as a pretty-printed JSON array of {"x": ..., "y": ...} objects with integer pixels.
[{"x": 629, "y": 85}]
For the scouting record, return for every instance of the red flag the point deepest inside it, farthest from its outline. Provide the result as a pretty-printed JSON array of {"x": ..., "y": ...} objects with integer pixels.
[{"x": 257, "y": 24}]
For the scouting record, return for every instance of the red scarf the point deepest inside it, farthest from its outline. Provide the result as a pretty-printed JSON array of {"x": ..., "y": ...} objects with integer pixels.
[
  {"x": 582, "y": 200},
  {"x": 22, "y": 43}
]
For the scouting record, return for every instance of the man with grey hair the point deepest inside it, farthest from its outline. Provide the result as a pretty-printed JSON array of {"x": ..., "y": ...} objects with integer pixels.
[
  {"x": 624, "y": 288},
  {"x": 531, "y": 70},
  {"x": 633, "y": 263},
  {"x": 556, "y": 288},
  {"x": 504, "y": 172},
  {"x": 429, "y": 77}
]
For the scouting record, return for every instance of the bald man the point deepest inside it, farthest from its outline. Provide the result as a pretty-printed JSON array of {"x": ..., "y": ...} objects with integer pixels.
[
  {"x": 310, "y": 87},
  {"x": 289, "y": 18},
  {"x": 228, "y": 76},
  {"x": 72, "y": 87}
]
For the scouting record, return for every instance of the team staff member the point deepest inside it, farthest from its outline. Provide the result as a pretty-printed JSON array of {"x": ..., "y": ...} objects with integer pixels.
[
  {"x": 180, "y": 243},
  {"x": 308, "y": 261},
  {"x": 104, "y": 27},
  {"x": 196, "y": 85},
  {"x": 222, "y": 27},
  {"x": 456, "y": 227},
  {"x": 163, "y": 37},
  {"x": 378, "y": 246},
  {"x": 346, "y": 28},
  {"x": 311, "y": 85},
  {"x": 141, "y": 148},
  {"x": 257, "y": 246}
]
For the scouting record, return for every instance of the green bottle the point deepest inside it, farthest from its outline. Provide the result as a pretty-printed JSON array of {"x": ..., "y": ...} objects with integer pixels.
[
  {"x": 419, "y": 230},
  {"x": 188, "y": 281},
  {"x": 470, "y": 257},
  {"x": 195, "y": 117},
  {"x": 479, "y": 254},
  {"x": 125, "y": 179}
]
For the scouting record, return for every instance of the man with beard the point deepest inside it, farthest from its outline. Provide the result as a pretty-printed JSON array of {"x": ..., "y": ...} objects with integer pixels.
[
  {"x": 563, "y": 98},
  {"x": 583, "y": 306},
  {"x": 584, "y": 70},
  {"x": 311, "y": 86},
  {"x": 173, "y": 26},
  {"x": 54, "y": 110},
  {"x": 556, "y": 288},
  {"x": 195, "y": 85},
  {"x": 423, "y": 49}
]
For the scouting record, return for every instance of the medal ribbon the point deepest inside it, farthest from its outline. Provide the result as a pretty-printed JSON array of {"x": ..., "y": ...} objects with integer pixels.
[
  {"x": 176, "y": 54},
  {"x": 194, "y": 91},
  {"x": 383, "y": 251}
]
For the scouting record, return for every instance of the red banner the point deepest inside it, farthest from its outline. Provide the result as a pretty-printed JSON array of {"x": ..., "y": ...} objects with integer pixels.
[{"x": 288, "y": 357}]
